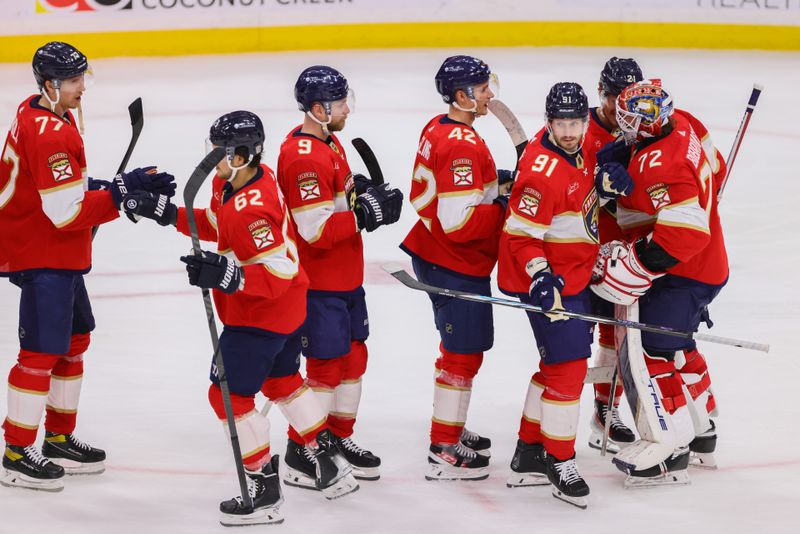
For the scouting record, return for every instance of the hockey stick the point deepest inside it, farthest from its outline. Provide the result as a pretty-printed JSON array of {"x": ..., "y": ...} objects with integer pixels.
[
  {"x": 369, "y": 159},
  {"x": 196, "y": 180},
  {"x": 609, "y": 407},
  {"x": 409, "y": 281},
  {"x": 737, "y": 141},
  {"x": 137, "y": 123},
  {"x": 511, "y": 124}
]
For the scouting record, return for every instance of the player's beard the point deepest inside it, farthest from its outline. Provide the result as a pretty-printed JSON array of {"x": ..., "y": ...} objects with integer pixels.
[{"x": 337, "y": 125}]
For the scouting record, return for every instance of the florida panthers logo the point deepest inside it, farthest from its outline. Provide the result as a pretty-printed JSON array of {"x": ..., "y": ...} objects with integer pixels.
[
  {"x": 60, "y": 166},
  {"x": 659, "y": 195},
  {"x": 590, "y": 215},
  {"x": 462, "y": 171},
  {"x": 261, "y": 231}
]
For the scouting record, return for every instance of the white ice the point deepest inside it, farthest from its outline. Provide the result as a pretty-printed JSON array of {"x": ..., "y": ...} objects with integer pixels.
[{"x": 144, "y": 396}]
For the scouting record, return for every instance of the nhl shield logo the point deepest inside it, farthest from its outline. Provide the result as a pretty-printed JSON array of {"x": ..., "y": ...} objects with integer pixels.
[
  {"x": 462, "y": 172},
  {"x": 659, "y": 195}
]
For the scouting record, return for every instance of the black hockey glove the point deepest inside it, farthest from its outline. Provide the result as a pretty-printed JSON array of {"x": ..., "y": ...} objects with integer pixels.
[
  {"x": 361, "y": 183},
  {"x": 505, "y": 176},
  {"x": 142, "y": 179},
  {"x": 612, "y": 180},
  {"x": 213, "y": 271},
  {"x": 616, "y": 151},
  {"x": 377, "y": 206},
  {"x": 98, "y": 185},
  {"x": 151, "y": 206}
]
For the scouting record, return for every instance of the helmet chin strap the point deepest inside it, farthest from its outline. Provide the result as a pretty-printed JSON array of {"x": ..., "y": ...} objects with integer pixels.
[
  {"x": 53, "y": 103},
  {"x": 324, "y": 124},
  {"x": 471, "y": 96},
  {"x": 233, "y": 169}
]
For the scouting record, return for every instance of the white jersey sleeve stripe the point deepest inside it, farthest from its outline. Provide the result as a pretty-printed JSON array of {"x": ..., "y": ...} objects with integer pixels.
[
  {"x": 311, "y": 219},
  {"x": 62, "y": 204},
  {"x": 455, "y": 209}
]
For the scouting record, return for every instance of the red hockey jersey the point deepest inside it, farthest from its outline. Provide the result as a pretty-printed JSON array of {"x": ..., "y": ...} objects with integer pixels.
[
  {"x": 252, "y": 227},
  {"x": 46, "y": 212},
  {"x": 552, "y": 214},
  {"x": 674, "y": 198},
  {"x": 453, "y": 190},
  {"x": 316, "y": 182}
]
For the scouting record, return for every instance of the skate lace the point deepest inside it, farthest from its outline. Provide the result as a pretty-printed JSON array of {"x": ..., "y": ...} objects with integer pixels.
[
  {"x": 616, "y": 422},
  {"x": 35, "y": 455},
  {"x": 469, "y": 435},
  {"x": 568, "y": 471},
  {"x": 351, "y": 446},
  {"x": 252, "y": 490},
  {"x": 465, "y": 451},
  {"x": 78, "y": 443},
  {"x": 309, "y": 454}
]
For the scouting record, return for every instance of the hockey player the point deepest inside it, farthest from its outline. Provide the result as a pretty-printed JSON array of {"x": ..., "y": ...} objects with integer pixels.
[
  {"x": 673, "y": 257},
  {"x": 47, "y": 209},
  {"x": 330, "y": 207},
  {"x": 547, "y": 251},
  {"x": 454, "y": 245},
  {"x": 617, "y": 74},
  {"x": 260, "y": 295}
]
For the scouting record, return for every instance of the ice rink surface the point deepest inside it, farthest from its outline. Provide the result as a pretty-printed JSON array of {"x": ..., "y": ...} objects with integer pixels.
[{"x": 144, "y": 395}]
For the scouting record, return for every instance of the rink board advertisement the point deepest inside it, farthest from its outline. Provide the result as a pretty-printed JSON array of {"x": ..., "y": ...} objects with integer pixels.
[{"x": 173, "y": 27}]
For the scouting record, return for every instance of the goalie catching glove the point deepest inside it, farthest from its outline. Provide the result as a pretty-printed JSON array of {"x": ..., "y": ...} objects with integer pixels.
[
  {"x": 619, "y": 275},
  {"x": 212, "y": 271},
  {"x": 377, "y": 206}
]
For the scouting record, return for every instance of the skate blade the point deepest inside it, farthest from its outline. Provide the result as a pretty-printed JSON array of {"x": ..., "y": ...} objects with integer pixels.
[
  {"x": 676, "y": 478},
  {"x": 344, "y": 486},
  {"x": 298, "y": 479},
  {"x": 524, "y": 480},
  {"x": 703, "y": 460},
  {"x": 366, "y": 473},
  {"x": 580, "y": 502},
  {"x": 13, "y": 479},
  {"x": 486, "y": 453},
  {"x": 72, "y": 467},
  {"x": 266, "y": 516},
  {"x": 448, "y": 472}
]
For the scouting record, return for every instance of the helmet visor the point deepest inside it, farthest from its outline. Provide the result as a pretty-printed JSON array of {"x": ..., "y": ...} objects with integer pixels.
[{"x": 342, "y": 107}]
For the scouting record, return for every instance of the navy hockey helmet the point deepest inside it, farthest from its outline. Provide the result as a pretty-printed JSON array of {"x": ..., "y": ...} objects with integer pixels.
[
  {"x": 619, "y": 73},
  {"x": 58, "y": 61},
  {"x": 238, "y": 129},
  {"x": 319, "y": 84},
  {"x": 566, "y": 100},
  {"x": 460, "y": 72}
]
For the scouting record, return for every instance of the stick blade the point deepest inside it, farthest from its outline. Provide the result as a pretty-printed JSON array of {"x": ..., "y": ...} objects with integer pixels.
[
  {"x": 199, "y": 175},
  {"x": 369, "y": 159},
  {"x": 392, "y": 268},
  {"x": 136, "y": 112}
]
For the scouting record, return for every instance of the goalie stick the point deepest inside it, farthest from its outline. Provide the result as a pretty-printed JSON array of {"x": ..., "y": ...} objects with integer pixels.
[
  {"x": 409, "y": 281},
  {"x": 137, "y": 123},
  {"x": 369, "y": 159},
  {"x": 196, "y": 180},
  {"x": 737, "y": 141}
]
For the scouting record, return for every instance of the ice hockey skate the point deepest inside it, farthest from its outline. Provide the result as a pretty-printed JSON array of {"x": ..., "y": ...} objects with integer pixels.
[
  {"x": 25, "y": 467},
  {"x": 671, "y": 472},
  {"x": 619, "y": 435},
  {"x": 702, "y": 449},
  {"x": 529, "y": 466},
  {"x": 456, "y": 462},
  {"x": 568, "y": 485},
  {"x": 264, "y": 488},
  {"x": 75, "y": 456},
  {"x": 476, "y": 442},
  {"x": 319, "y": 466},
  {"x": 366, "y": 466}
]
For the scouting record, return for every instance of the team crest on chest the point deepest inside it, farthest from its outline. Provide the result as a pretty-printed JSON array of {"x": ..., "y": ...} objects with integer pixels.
[
  {"x": 462, "y": 171},
  {"x": 261, "y": 231},
  {"x": 529, "y": 202},
  {"x": 60, "y": 166},
  {"x": 308, "y": 183},
  {"x": 659, "y": 195},
  {"x": 590, "y": 215}
]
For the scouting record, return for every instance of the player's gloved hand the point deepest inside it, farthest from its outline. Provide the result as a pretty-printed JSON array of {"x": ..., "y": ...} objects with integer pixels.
[
  {"x": 212, "y": 271},
  {"x": 545, "y": 288},
  {"x": 150, "y": 206},
  {"x": 618, "y": 276},
  {"x": 505, "y": 180},
  {"x": 616, "y": 151},
  {"x": 98, "y": 185},
  {"x": 502, "y": 200},
  {"x": 611, "y": 180},
  {"x": 361, "y": 184},
  {"x": 377, "y": 206},
  {"x": 142, "y": 179}
]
